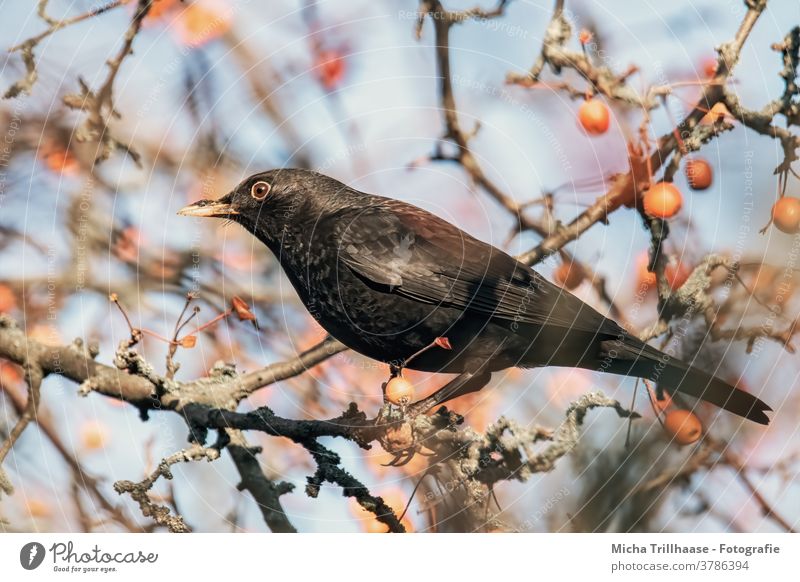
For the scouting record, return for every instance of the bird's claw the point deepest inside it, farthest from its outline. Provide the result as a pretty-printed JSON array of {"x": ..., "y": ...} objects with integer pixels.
[{"x": 402, "y": 458}]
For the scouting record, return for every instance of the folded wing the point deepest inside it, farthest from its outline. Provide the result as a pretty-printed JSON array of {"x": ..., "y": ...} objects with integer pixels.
[{"x": 423, "y": 257}]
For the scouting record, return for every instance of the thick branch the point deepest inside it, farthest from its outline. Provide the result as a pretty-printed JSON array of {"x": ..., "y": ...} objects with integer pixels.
[
  {"x": 249, "y": 383},
  {"x": 75, "y": 362}
]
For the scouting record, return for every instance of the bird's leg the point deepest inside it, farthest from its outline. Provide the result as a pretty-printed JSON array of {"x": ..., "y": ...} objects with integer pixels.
[{"x": 464, "y": 383}]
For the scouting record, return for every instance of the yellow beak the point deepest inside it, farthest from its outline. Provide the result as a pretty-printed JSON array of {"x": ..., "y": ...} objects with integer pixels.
[{"x": 208, "y": 208}]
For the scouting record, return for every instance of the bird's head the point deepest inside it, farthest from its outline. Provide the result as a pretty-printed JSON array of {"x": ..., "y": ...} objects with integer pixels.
[{"x": 265, "y": 203}]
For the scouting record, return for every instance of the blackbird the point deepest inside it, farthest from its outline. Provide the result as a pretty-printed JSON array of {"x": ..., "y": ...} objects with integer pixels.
[{"x": 387, "y": 279}]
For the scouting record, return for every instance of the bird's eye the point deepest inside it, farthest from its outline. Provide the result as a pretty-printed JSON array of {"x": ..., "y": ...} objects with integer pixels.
[{"x": 260, "y": 190}]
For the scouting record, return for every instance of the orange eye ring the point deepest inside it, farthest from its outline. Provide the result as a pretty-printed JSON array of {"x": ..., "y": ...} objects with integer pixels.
[{"x": 260, "y": 190}]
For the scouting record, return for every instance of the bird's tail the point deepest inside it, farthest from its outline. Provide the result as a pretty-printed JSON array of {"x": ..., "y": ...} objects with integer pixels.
[{"x": 634, "y": 358}]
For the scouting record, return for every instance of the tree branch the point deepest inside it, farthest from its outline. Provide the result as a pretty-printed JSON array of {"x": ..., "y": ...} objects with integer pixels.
[{"x": 139, "y": 491}]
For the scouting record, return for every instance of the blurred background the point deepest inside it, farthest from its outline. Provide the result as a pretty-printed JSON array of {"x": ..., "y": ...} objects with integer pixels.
[{"x": 218, "y": 89}]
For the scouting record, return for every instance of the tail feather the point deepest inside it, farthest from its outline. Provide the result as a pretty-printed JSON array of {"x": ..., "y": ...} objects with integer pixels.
[{"x": 635, "y": 358}]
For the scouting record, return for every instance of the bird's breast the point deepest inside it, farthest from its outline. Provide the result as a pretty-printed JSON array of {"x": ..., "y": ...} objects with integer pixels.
[{"x": 377, "y": 323}]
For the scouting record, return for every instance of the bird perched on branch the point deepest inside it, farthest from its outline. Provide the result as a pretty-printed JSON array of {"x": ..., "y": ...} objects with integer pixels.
[{"x": 387, "y": 279}]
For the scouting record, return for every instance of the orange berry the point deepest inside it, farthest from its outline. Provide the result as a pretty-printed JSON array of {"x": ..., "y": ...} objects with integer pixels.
[
  {"x": 594, "y": 116},
  {"x": 699, "y": 174},
  {"x": 10, "y": 374},
  {"x": 585, "y": 36},
  {"x": 59, "y": 160},
  {"x": 8, "y": 300},
  {"x": 160, "y": 7},
  {"x": 45, "y": 334},
  {"x": 94, "y": 435},
  {"x": 644, "y": 278},
  {"x": 717, "y": 113},
  {"x": 200, "y": 23},
  {"x": 188, "y": 341},
  {"x": 330, "y": 68},
  {"x": 786, "y": 215},
  {"x": 683, "y": 426},
  {"x": 38, "y": 508},
  {"x": 709, "y": 66},
  {"x": 569, "y": 275},
  {"x": 676, "y": 275},
  {"x": 375, "y": 526},
  {"x": 399, "y": 391},
  {"x": 663, "y": 200}
]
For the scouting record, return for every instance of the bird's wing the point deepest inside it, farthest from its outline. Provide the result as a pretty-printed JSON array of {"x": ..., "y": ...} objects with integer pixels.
[{"x": 405, "y": 250}]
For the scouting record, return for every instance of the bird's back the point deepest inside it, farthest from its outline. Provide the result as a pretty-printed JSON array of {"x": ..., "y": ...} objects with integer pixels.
[{"x": 387, "y": 278}]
